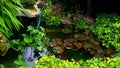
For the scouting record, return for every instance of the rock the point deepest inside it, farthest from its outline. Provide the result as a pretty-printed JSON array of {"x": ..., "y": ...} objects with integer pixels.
[
  {"x": 116, "y": 54},
  {"x": 27, "y": 13},
  {"x": 29, "y": 55}
]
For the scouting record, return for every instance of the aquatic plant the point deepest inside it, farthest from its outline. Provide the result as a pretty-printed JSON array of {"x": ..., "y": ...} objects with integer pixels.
[{"x": 8, "y": 20}]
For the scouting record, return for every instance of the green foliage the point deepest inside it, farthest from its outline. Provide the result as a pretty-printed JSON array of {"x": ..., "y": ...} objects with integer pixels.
[
  {"x": 107, "y": 29},
  {"x": 52, "y": 62},
  {"x": 2, "y": 66},
  {"x": 53, "y": 20},
  {"x": 8, "y": 20},
  {"x": 81, "y": 24},
  {"x": 101, "y": 63},
  {"x": 35, "y": 38},
  {"x": 49, "y": 16},
  {"x": 19, "y": 61}
]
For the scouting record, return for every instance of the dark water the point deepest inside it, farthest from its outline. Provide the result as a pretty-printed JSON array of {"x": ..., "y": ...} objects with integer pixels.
[
  {"x": 54, "y": 33},
  {"x": 9, "y": 58}
]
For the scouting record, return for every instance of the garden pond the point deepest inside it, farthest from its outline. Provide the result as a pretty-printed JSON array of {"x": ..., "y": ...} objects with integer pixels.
[{"x": 65, "y": 43}]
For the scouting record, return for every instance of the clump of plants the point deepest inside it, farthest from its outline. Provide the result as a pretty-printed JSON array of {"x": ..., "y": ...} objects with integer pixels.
[
  {"x": 51, "y": 62},
  {"x": 34, "y": 40},
  {"x": 51, "y": 14},
  {"x": 81, "y": 24},
  {"x": 33, "y": 37},
  {"x": 107, "y": 29}
]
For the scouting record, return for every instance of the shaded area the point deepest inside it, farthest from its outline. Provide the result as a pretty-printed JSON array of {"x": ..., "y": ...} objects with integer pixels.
[{"x": 9, "y": 58}]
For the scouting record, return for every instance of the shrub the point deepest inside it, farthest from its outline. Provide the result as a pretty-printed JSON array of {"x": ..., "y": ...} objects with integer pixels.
[
  {"x": 81, "y": 24},
  {"x": 52, "y": 62},
  {"x": 107, "y": 29},
  {"x": 34, "y": 38},
  {"x": 51, "y": 14}
]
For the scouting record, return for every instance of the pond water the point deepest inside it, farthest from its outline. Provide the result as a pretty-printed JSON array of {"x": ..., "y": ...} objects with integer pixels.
[
  {"x": 9, "y": 58},
  {"x": 58, "y": 33}
]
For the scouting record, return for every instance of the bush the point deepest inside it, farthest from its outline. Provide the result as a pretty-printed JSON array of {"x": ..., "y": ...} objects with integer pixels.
[
  {"x": 33, "y": 37},
  {"x": 81, "y": 24},
  {"x": 51, "y": 14},
  {"x": 107, "y": 29},
  {"x": 52, "y": 62}
]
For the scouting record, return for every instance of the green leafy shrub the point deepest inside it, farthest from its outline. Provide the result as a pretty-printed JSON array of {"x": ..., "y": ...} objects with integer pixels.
[
  {"x": 34, "y": 38},
  {"x": 101, "y": 63},
  {"x": 52, "y": 62},
  {"x": 81, "y": 24},
  {"x": 49, "y": 16},
  {"x": 107, "y": 29}
]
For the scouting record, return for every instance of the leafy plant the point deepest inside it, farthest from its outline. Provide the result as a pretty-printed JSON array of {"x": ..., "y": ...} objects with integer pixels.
[
  {"x": 101, "y": 63},
  {"x": 107, "y": 29},
  {"x": 81, "y": 24},
  {"x": 50, "y": 16},
  {"x": 8, "y": 20},
  {"x": 19, "y": 61},
  {"x": 52, "y": 62},
  {"x": 2, "y": 66},
  {"x": 34, "y": 38}
]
